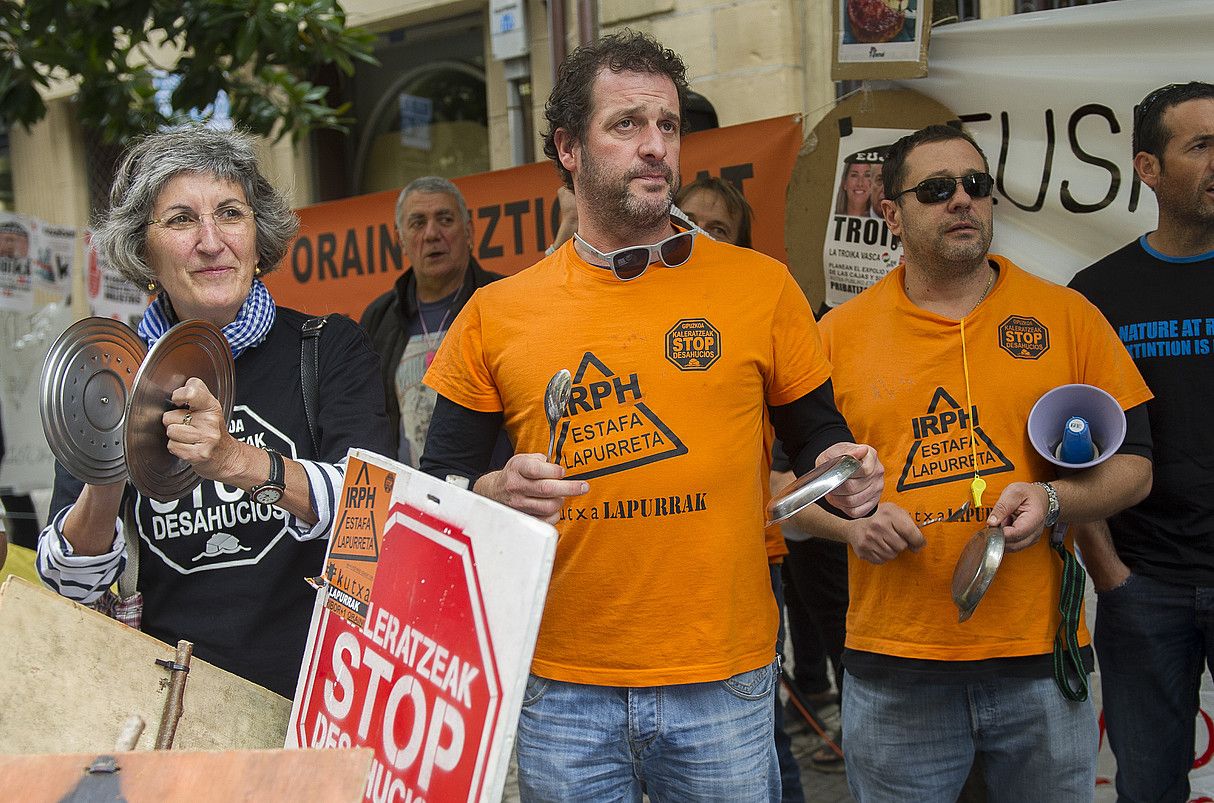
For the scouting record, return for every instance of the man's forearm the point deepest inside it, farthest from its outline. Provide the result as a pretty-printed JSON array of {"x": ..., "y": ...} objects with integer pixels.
[
  {"x": 820, "y": 523},
  {"x": 1095, "y": 543},
  {"x": 488, "y": 485},
  {"x": 1103, "y": 490}
]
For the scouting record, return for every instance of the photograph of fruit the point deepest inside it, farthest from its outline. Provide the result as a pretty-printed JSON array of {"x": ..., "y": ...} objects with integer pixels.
[{"x": 877, "y": 21}]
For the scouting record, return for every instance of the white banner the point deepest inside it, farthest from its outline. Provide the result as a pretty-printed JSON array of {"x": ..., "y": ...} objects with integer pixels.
[
  {"x": 36, "y": 264},
  {"x": 1050, "y": 98}
]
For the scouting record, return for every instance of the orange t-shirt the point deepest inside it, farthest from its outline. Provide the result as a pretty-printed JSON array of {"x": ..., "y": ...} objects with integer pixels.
[
  {"x": 661, "y": 572},
  {"x": 899, "y": 379}
]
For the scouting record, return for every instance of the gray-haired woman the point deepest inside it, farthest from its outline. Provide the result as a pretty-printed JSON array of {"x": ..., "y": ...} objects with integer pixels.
[{"x": 193, "y": 218}]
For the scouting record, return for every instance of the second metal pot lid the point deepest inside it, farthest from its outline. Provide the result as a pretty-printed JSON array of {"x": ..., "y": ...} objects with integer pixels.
[
  {"x": 975, "y": 569},
  {"x": 190, "y": 349}
]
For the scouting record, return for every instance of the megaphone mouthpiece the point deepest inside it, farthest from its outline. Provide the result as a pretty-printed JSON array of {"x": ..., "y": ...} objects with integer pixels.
[{"x": 1076, "y": 445}]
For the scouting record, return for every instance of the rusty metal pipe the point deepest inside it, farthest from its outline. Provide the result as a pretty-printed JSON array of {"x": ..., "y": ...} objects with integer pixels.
[
  {"x": 556, "y": 35},
  {"x": 587, "y": 21}
]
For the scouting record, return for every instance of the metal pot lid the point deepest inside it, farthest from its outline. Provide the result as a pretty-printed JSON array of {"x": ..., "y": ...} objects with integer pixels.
[
  {"x": 810, "y": 487},
  {"x": 190, "y": 349},
  {"x": 976, "y": 567},
  {"x": 82, "y": 396}
]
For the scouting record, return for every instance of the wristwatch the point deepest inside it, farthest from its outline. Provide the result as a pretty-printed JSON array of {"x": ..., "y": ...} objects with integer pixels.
[
  {"x": 1052, "y": 511},
  {"x": 270, "y": 491}
]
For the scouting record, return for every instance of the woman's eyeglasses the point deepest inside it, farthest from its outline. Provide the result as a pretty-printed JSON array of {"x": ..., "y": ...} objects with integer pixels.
[
  {"x": 229, "y": 216},
  {"x": 939, "y": 189},
  {"x": 630, "y": 263}
]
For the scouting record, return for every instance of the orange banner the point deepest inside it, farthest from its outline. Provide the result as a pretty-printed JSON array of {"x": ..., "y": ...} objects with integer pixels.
[{"x": 347, "y": 252}]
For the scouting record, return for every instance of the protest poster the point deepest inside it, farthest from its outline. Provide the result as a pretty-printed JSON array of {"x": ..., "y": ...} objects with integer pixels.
[
  {"x": 109, "y": 293},
  {"x": 859, "y": 248},
  {"x": 424, "y": 656},
  {"x": 16, "y": 289},
  {"x": 52, "y": 258}
]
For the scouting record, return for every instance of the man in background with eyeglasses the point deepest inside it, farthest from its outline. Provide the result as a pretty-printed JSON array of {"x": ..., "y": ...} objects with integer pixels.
[
  {"x": 655, "y": 665},
  {"x": 938, "y": 365},
  {"x": 1155, "y": 576}
]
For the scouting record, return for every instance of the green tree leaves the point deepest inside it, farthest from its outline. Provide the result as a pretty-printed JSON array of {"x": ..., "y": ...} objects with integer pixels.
[{"x": 259, "y": 52}]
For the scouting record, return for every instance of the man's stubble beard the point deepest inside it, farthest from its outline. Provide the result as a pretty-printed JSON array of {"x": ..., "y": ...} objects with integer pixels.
[
  {"x": 620, "y": 210},
  {"x": 956, "y": 261},
  {"x": 1190, "y": 209}
]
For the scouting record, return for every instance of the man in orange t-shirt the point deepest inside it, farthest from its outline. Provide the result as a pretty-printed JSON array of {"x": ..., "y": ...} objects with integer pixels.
[
  {"x": 937, "y": 365},
  {"x": 655, "y": 666}
]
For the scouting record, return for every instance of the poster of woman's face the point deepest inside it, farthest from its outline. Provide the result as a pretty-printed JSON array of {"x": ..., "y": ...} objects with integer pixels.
[
  {"x": 855, "y": 190},
  {"x": 859, "y": 249}
]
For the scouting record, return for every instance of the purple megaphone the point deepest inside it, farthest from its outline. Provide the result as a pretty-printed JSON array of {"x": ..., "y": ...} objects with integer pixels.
[{"x": 1054, "y": 415}]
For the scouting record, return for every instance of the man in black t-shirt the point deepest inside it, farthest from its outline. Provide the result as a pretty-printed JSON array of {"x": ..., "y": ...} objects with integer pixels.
[{"x": 1153, "y": 565}]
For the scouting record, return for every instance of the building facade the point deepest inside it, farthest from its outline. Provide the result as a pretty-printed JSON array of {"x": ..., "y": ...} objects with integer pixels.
[{"x": 460, "y": 88}]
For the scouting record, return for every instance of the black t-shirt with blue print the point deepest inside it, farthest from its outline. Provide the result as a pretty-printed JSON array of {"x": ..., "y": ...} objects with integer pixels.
[{"x": 1163, "y": 309}]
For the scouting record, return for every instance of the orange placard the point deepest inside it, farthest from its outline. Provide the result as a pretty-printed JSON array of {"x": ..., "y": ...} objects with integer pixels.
[
  {"x": 357, "y": 538},
  {"x": 347, "y": 252}
]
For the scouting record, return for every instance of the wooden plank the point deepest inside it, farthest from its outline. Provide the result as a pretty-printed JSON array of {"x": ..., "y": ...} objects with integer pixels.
[
  {"x": 157, "y": 776},
  {"x": 69, "y": 678}
]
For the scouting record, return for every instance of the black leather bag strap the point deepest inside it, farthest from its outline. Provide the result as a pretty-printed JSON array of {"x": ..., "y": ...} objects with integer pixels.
[{"x": 309, "y": 372}]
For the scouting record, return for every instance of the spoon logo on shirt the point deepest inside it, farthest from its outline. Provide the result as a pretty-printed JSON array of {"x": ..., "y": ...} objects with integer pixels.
[
  {"x": 941, "y": 451},
  {"x": 217, "y": 526},
  {"x": 609, "y": 427}
]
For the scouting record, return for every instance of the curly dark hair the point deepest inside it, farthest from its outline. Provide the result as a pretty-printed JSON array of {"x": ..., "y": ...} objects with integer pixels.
[
  {"x": 1150, "y": 134},
  {"x": 893, "y": 172},
  {"x": 572, "y": 100}
]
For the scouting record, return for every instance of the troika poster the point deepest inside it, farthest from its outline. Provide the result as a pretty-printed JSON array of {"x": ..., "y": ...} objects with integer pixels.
[{"x": 859, "y": 247}]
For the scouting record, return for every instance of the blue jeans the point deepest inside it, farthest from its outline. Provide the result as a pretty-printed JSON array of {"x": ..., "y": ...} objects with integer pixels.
[
  {"x": 1153, "y": 640},
  {"x": 916, "y": 741},
  {"x": 697, "y": 741}
]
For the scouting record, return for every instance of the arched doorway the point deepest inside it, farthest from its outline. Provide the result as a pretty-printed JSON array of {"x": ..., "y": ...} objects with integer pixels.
[{"x": 433, "y": 120}]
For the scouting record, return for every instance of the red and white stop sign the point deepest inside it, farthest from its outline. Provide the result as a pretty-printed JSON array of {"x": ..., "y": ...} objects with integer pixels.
[{"x": 418, "y": 681}]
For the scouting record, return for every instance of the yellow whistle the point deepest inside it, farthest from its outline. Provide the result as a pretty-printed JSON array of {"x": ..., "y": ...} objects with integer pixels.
[{"x": 977, "y": 486}]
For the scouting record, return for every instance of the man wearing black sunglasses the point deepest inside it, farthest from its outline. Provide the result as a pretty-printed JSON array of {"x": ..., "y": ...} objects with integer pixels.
[
  {"x": 1155, "y": 577},
  {"x": 655, "y": 666},
  {"x": 938, "y": 365}
]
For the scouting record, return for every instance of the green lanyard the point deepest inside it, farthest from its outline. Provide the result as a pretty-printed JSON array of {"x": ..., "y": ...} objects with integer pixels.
[{"x": 1068, "y": 664}]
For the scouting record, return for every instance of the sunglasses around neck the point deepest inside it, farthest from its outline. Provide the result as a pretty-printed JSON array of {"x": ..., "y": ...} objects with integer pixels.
[
  {"x": 632, "y": 262},
  {"x": 938, "y": 189}
]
